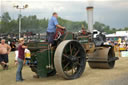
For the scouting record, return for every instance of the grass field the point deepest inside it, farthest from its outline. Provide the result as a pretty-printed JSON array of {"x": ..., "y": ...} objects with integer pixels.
[{"x": 89, "y": 77}]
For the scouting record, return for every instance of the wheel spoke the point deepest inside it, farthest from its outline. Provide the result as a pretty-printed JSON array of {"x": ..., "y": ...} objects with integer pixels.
[
  {"x": 77, "y": 52},
  {"x": 77, "y": 63},
  {"x": 71, "y": 49},
  {"x": 72, "y": 71},
  {"x": 66, "y": 65},
  {"x": 65, "y": 50},
  {"x": 74, "y": 68},
  {"x": 66, "y": 56}
]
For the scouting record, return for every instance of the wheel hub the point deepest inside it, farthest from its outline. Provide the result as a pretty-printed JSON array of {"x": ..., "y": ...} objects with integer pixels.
[{"x": 73, "y": 59}]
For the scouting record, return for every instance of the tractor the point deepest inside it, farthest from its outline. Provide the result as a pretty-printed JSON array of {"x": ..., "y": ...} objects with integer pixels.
[{"x": 68, "y": 56}]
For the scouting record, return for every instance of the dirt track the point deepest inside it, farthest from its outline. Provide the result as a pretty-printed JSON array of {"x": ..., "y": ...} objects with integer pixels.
[{"x": 116, "y": 76}]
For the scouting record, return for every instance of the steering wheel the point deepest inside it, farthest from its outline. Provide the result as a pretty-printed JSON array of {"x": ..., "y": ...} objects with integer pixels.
[{"x": 59, "y": 33}]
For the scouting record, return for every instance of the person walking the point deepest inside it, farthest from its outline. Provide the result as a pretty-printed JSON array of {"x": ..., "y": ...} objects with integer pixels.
[
  {"x": 21, "y": 56},
  {"x": 4, "y": 51}
]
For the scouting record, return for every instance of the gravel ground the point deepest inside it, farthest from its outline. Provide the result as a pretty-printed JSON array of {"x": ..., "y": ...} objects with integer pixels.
[
  {"x": 123, "y": 80},
  {"x": 116, "y": 76}
]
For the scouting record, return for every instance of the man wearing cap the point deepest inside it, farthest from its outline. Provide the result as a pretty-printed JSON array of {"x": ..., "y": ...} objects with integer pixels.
[
  {"x": 4, "y": 51},
  {"x": 52, "y": 25}
]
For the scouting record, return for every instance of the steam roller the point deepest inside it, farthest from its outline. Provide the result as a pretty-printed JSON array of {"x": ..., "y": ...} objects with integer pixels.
[
  {"x": 103, "y": 57},
  {"x": 68, "y": 56}
]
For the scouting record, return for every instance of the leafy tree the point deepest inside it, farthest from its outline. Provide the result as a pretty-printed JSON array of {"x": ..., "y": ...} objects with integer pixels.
[
  {"x": 33, "y": 24},
  {"x": 5, "y": 20}
]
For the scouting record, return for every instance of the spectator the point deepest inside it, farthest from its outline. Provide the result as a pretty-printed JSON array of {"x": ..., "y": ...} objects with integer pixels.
[
  {"x": 13, "y": 46},
  {"x": 21, "y": 49},
  {"x": 119, "y": 41},
  {"x": 124, "y": 43},
  {"x": 4, "y": 51},
  {"x": 27, "y": 56}
]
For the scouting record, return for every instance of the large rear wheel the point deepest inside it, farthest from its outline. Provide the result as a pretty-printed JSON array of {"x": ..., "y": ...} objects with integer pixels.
[{"x": 70, "y": 59}]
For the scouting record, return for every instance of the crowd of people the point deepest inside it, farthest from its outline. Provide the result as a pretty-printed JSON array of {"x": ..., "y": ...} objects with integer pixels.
[
  {"x": 120, "y": 46},
  {"x": 120, "y": 43}
]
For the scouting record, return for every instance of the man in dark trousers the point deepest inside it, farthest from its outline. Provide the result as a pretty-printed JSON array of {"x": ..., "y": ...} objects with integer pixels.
[
  {"x": 4, "y": 51},
  {"x": 52, "y": 25}
]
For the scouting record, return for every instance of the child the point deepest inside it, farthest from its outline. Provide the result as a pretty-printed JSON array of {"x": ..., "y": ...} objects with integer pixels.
[
  {"x": 27, "y": 56},
  {"x": 21, "y": 49}
]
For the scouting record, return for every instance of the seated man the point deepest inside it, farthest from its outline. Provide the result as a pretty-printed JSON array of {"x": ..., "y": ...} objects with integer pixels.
[
  {"x": 4, "y": 51},
  {"x": 52, "y": 25}
]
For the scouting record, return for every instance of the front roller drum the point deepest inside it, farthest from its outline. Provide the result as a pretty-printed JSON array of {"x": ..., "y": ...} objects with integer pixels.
[
  {"x": 69, "y": 59},
  {"x": 103, "y": 65},
  {"x": 109, "y": 64}
]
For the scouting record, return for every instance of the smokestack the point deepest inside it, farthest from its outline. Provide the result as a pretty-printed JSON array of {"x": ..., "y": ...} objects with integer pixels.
[{"x": 90, "y": 18}]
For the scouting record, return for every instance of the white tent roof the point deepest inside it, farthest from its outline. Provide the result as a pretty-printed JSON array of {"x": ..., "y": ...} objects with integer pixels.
[{"x": 118, "y": 34}]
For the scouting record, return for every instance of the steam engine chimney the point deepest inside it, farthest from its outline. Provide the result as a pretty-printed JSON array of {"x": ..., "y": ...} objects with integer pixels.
[{"x": 90, "y": 18}]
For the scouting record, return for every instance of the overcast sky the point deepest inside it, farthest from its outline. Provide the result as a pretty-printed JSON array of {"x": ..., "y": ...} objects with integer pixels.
[{"x": 110, "y": 12}]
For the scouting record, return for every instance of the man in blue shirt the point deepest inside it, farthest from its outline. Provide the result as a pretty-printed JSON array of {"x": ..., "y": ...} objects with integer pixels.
[{"x": 52, "y": 25}]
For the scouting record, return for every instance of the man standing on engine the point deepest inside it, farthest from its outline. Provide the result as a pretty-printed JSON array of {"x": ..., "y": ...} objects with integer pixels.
[{"x": 52, "y": 25}]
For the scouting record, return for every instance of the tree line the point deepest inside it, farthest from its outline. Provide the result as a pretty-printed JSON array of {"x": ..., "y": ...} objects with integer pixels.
[{"x": 33, "y": 24}]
